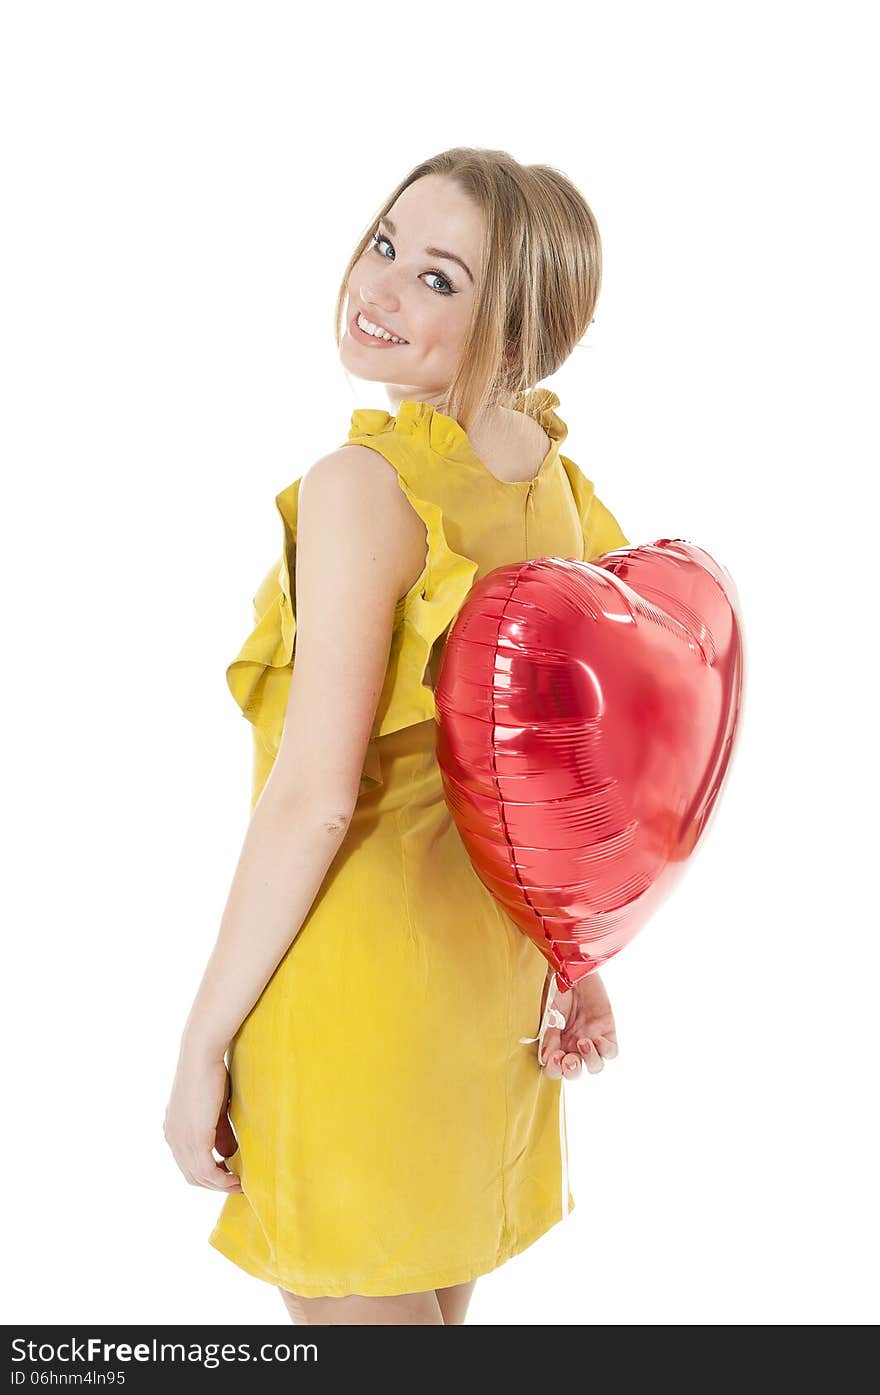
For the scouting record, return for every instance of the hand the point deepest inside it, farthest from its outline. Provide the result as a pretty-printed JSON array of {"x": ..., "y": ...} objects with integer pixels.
[
  {"x": 197, "y": 1118},
  {"x": 589, "y": 1036}
]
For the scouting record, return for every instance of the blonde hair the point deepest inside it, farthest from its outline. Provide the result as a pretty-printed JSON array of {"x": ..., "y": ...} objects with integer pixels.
[{"x": 537, "y": 281}]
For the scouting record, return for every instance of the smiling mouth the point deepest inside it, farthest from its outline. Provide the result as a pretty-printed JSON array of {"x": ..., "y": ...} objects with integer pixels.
[{"x": 386, "y": 336}]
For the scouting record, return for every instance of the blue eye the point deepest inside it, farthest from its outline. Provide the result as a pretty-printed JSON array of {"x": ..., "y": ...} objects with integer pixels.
[
  {"x": 443, "y": 278},
  {"x": 377, "y": 238}
]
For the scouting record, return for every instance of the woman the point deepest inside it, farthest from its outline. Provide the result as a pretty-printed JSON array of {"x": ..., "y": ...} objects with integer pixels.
[{"x": 372, "y": 1180}]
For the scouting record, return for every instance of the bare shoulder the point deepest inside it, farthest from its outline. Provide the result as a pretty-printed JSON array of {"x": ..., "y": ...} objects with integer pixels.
[
  {"x": 352, "y": 495},
  {"x": 349, "y": 576}
]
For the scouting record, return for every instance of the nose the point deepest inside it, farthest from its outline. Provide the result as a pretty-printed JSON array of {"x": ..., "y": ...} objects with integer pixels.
[
  {"x": 379, "y": 304},
  {"x": 378, "y": 293}
]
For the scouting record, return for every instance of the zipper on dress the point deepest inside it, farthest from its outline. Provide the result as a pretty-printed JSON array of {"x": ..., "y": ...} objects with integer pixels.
[{"x": 526, "y": 513}]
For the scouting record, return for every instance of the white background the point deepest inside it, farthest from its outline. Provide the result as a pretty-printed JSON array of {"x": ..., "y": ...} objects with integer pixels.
[{"x": 183, "y": 184}]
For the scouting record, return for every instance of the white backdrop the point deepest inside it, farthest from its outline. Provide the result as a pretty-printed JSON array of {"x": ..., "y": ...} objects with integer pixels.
[{"x": 184, "y": 183}]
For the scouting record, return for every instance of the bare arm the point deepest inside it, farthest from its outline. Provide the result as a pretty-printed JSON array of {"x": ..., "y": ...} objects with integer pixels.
[
  {"x": 360, "y": 546},
  {"x": 288, "y": 848},
  {"x": 357, "y": 537}
]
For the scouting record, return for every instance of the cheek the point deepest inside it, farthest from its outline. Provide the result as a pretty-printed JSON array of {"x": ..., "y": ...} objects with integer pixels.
[{"x": 441, "y": 328}]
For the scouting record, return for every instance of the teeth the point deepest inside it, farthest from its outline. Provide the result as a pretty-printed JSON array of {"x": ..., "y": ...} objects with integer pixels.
[{"x": 377, "y": 331}]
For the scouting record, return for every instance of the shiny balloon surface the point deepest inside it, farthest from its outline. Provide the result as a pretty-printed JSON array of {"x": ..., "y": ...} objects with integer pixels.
[{"x": 586, "y": 717}]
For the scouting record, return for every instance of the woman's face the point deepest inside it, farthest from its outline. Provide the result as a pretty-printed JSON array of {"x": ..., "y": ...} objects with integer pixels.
[{"x": 416, "y": 280}]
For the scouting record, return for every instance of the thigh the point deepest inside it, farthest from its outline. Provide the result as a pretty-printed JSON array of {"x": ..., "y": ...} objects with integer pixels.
[
  {"x": 454, "y": 1302},
  {"x": 358, "y": 1310}
]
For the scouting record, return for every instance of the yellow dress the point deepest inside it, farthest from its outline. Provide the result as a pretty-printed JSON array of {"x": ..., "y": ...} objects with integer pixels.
[{"x": 394, "y": 1132}]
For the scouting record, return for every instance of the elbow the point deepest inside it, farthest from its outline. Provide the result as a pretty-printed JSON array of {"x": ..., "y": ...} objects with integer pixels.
[
  {"x": 299, "y": 805},
  {"x": 337, "y": 822},
  {"x": 328, "y": 815}
]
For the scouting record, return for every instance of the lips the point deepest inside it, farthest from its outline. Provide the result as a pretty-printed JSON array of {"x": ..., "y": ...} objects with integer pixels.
[{"x": 363, "y": 337}]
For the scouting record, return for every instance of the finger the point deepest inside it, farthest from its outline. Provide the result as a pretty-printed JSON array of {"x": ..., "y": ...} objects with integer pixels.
[
  {"x": 606, "y": 1046},
  {"x": 552, "y": 1055},
  {"x": 571, "y": 1065},
  {"x": 220, "y": 1180},
  {"x": 553, "y": 1066},
  {"x": 592, "y": 1060},
  {"x": 230, "y": 1182},
  {"x": 552, "y": 1045},
  {"x": 224, "y": 1177},
  {"x": 206, "y": 1171},
  {"x": 562, "y": 1001}
]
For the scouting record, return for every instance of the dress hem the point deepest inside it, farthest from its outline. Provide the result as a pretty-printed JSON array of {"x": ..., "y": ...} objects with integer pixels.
[{"x": 418, "y": 1281}]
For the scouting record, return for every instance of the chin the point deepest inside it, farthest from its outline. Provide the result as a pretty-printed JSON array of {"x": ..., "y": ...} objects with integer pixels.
[{"x": 358, "y": 364}]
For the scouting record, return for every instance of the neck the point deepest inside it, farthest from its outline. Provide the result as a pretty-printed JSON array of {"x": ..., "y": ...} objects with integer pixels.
[{"x": 396, "y": 395}]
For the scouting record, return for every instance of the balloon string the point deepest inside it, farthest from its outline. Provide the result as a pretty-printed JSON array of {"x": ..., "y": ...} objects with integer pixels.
[{"x": 554, "y": 1018}]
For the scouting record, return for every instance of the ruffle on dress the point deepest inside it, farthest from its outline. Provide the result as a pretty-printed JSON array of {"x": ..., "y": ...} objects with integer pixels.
[
  {"x": 408, "y": 441},
  {"x": 433, "y": 601},
  {"x": 432, "y": 432},
  {"x": 259, "y": 677}
]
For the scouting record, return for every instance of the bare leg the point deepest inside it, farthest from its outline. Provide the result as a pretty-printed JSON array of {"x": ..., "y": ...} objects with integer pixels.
[
  {"x": 357, "y": 1310},
  {"x": 454, "y": 1302}
]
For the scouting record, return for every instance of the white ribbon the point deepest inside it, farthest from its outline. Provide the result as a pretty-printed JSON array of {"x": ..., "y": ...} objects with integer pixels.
[{"x": 554, "y": 1018}]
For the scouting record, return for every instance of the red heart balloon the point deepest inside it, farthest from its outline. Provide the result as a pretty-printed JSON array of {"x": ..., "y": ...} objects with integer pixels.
[{"x": 586, "y": 717}]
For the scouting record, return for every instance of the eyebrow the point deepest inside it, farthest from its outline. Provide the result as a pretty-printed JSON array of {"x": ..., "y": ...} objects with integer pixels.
[{"x": 431, "y": 251}]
